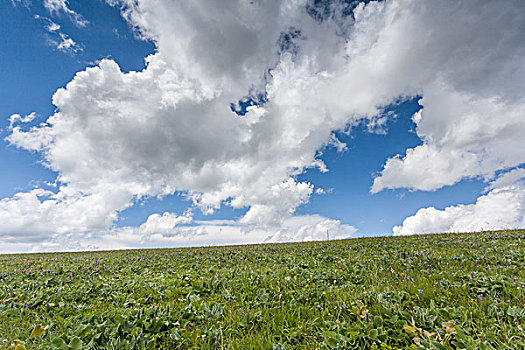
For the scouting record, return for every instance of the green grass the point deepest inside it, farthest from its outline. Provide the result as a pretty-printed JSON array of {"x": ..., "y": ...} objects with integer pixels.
[{"x": 448, "y": 291}]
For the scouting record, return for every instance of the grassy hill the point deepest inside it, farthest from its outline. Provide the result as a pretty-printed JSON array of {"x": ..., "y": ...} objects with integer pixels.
[{"x": 447, "y": 291}]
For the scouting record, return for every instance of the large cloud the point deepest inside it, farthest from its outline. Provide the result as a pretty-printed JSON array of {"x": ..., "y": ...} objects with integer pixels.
[
  {"x": 311, "y": 68},
  {"x": 170, "y": 127},
  {"x": 468, "y": 59}
]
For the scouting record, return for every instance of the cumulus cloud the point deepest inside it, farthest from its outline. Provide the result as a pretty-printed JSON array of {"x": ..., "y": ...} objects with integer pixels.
[
  {"x": 311, "y": 228},
  {"x": 301, "y": 69},
  {"x": 165, "y": 223},
  {"x": 56, "y": 7},
  {"x": 172, "y": 230},
  {"x": 170, "y": 127},
  {"x": 484, "y": 138},
  {"x": 41, "y": 213},
  {"x": 472, "y": 119},
  {"x": 501, "y": 208}
]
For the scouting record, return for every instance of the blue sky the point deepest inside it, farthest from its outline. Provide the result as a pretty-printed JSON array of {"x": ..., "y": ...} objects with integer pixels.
[{"x": 44, "y": 44}]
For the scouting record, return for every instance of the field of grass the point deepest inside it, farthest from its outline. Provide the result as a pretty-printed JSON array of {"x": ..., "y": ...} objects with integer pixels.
[{"x": 449, "y": 291}]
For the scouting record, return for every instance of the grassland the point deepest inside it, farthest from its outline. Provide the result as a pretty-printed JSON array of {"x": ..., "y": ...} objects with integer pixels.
[{"x": 449, "y": 291}]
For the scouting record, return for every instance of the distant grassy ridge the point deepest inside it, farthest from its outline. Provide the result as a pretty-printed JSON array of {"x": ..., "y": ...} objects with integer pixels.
[{"x": 441, "y": 291}]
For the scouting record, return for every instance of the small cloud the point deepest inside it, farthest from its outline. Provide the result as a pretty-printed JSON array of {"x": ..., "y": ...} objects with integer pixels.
[
  {"x": 58, "y": 39},
  {"x": 24, "y": 3},
  {"x": 320, "y": 191},
  {"x": 165, "y": 223},
  {"x": 53, "y": 27},
  {"x": 378, "y": 124},
  {"x": 337, "y": 144},
  {"x": 319, "y": 164},
  {"x": 65, "y": 44},
  {"x": 117, "y": 34},
  {"x": 113, "y": 3},
  {"x": 17, "y": 118},
  {"x": 61, "y": 6}
]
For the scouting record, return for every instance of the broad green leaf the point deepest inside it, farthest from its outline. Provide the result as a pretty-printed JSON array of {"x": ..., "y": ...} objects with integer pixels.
[
  {"x": 59, "y": 343},
  {"x": 75, "y": 343},
  {"x": 374, "y": 333},
  {"x": 378, "y": 321}
]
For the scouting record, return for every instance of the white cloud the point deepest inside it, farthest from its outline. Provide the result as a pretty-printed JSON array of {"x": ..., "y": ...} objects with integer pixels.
[
  {"x": 66, "y": 44},
  {"x": 57, "y": 39},
  {"x": 471, "y": 75},
  {"x": 181, "y": 134},
  {"x": 170, "y": 127},
  {"x": 484, "y": 137},
  {"x": 507, "y": 179},
  {"x": 172, "y": 230},
  {"x": 320, "y": 190},
  {"x": 311, "y": 228},
  {"x": 502, "y": 208},
  {"x": 52, "y": 27},
  {"x": 61, "y": 6},
  {"x": 17, "y": 118},
  {"x": 164, "y": 223},
  {"x": 294, "y": 229},
  {"x": 40, "y": 215}
]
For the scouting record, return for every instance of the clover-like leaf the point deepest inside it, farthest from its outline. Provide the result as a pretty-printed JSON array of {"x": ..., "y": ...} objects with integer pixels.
[
  {"x": 59, "y": 343},
  {"x": 75, "y": 343}
]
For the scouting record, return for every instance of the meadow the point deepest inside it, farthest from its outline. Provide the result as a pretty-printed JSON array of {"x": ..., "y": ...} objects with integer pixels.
[{"x": 446, "y": 291}]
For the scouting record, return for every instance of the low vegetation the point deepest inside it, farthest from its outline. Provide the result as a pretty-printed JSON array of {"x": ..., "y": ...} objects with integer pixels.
[{"x": 447, "y": 291}]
